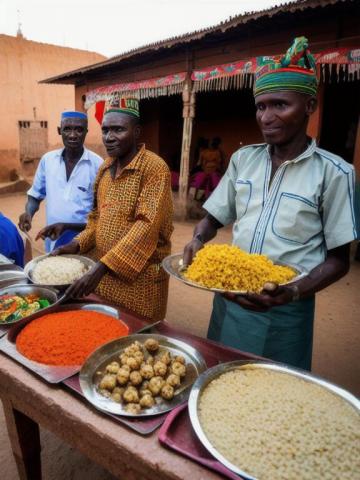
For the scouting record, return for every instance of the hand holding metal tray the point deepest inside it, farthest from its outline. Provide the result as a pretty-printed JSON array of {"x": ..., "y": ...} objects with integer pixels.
[{"x": 173, "y": 265}]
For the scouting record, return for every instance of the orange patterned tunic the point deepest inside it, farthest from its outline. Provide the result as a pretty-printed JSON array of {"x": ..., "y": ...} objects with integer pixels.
[{"x": 129, "y": 230}]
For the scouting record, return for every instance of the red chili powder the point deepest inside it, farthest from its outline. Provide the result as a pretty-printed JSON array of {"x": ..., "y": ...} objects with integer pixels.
[{"x": 67, "y": 338}]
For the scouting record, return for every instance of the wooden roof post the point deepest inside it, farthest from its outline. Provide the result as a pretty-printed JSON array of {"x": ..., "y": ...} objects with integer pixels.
[{"x": 188, "y": 97}]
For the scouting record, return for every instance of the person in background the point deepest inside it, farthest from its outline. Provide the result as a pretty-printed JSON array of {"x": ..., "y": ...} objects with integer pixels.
[
  {"x": 290, "y": 200},
  {"x": 211, "y": 162},
  {"x": 65, "y": 177},
  {"x": 128, "y": 231},
  {"x": 11, "y": 243}
]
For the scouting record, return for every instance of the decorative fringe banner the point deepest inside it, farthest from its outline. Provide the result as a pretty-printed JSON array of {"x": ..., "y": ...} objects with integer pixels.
[
  {"x": 235, "y": 75},
  {"x": 338, "y": 65},
  {"x": 341, "y": 64},
  {"x": 330, "y": 73},
  {"x": 236, "y": 81},
  {"x": 152, "y": 88}
]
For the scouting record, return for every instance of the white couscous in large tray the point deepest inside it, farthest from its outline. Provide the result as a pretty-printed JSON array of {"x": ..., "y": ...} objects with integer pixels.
[{"x": 266, "y": 420}]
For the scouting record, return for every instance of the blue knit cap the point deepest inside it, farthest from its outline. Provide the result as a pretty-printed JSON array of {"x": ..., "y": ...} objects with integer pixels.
[{"x": 73, "y": 114}]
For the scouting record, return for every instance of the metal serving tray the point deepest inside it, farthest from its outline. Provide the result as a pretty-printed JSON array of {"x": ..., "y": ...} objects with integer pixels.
[
  {"x": 173, "y": 265},
  {"x": 218, "y": 370},
  {"x": 51, "y": 374},
  {"x": 26, "y": 289},
  {"x": 11, "y": 277},
  {"x": 29, "y": 267},
  {"x": 104, "y": 355},
  {"x": 48, "y": 293}
]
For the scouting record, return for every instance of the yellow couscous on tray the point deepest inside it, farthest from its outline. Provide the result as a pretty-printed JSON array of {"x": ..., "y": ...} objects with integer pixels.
[{"x": 229, "y": 268}]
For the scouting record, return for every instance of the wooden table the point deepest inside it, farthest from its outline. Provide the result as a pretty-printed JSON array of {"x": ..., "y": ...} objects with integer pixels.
[{"x": 29, "y": 402}]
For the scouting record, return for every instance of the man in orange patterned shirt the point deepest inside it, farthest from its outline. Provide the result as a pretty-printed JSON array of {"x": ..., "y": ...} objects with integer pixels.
[{"x": 128, "y": 231}]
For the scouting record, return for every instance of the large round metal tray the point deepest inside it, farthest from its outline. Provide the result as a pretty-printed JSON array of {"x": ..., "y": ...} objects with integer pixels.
[
  {"x": 214, "y": 372},
  {"x": 49, "y": 294},
  {"x": 97, "y": 361},
  {"x": 173, "y": 265},
  {"x": 12, "y": 277},
  {"x": 29, "y": 267}
]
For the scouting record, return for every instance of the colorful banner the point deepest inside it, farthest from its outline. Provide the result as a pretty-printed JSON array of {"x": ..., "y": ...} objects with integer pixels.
[
  {"x": 154, "y": 87},
  {"x": 227, "y": 69},
  {"x": 240, "y": 74},
  {"x": 342, "y": 56},
  {"x": 222, "y": 77}
]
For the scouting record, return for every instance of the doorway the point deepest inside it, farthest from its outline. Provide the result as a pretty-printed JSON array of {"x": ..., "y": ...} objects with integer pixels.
[{"x": 340, "y": 118}]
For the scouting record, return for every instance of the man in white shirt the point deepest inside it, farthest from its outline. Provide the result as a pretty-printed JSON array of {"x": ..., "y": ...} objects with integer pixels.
[
  {"x": 65, "y": 177},
  {"x": 287, "y": 199}
]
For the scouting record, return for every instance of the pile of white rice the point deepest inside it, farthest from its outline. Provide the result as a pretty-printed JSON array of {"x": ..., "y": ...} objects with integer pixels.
[
  {"x": 58, "y": 271},
  {"x": 275, "y": 426}
]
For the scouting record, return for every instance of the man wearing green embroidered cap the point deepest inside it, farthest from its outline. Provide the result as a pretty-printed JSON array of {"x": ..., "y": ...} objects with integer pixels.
[
  {"x": 128, "y": 231},
  {"x": 290, "y": 200}
]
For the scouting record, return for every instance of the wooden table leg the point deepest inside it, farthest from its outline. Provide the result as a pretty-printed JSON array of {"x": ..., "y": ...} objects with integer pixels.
[{"x": 24, "y": 437}]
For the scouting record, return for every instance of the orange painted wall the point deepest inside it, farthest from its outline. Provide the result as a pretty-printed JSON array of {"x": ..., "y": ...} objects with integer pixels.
[{"x": 23, "y": 64}]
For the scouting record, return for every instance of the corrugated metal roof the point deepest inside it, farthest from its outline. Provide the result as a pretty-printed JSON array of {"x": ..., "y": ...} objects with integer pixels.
[{"x": 187, "y": 38}]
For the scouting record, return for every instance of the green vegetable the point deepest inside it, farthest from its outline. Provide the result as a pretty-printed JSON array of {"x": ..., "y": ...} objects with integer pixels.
[{"x": 44, "y": 303}]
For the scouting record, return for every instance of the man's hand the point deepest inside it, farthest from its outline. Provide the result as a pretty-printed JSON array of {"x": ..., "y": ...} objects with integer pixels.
[
  {"x": 87, "y": 284},
  {"x": 52, "y": 231},
  {"x": 190, "y": 250},
  {"x": 204, "y": 231},
  {"x": 272, "y": 296},
  {"x": 71, "y": 248},
  {"x": 25, "y": 222}
]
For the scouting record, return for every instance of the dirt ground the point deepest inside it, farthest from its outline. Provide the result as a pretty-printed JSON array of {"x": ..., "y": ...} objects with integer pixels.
[{"x": 336, "y": 345}]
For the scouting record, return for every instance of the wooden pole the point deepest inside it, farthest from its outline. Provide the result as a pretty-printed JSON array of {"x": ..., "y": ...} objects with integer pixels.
[{"x": 188, "y": 115}]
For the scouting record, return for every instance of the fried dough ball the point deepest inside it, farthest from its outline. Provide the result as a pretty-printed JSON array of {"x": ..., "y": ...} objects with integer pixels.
[
  {"x": 160, "y": 368},
  {"x": 105, "y": 393},
  {"x": 165, "y": 357},
  {"x": 135, "y": 377},
  {"x": 147, "y": 401},
  {"x": 156, "y": 384},
  {"x": 145, "y": 384},
  {"x": 133, "y": 408},
  {"x": 147, "y": 371},
  {"x": 180, "y": 359},
  {"x": 122, "y": 376},
  {"x": 130, "y": 350},
  {"x": 126, "y": 367},
  {"x": 145, "y": 391},
  {"x": 138, "y": 345},
  {"x": 131, "y": 395},
  {"x": 133, "y": 363},
  {"x": 116, "y": 397},
  {"x": 151, "y": 345},
  {"x": 113, "y": 367},
  {"x": 108, "y": 382},
  {"x": 139, "y": 357},
  {"x": 123, "y": 357},
  {"x": 173, "y": 380},
  {"x": 179, "y": 369},
  {"x": 150, "y": 360},
  {"x": 119, "y": 390},
  {"x": 167, "y": 392}
]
